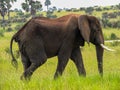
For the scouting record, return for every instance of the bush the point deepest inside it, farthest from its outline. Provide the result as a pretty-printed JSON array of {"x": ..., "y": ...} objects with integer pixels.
[
  {"x": 118, "y": 24},
  {"x": 9, "y": 29},
  {"x": 1, "y": 33},
  {"x": 50, "y": 15},
  {"x": 20, "y": 13},
  {"x": 113, "y": 36},
  {"x": 7, "y": 50},
  {"x": 18, "y": 27},
  {"x": 27, "y": 15}
]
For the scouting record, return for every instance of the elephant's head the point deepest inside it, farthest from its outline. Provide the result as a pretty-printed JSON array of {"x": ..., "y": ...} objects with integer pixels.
[{"x": 91, "y": 31}]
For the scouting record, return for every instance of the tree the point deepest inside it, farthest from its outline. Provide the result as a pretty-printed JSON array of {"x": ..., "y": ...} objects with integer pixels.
[
  {"x": 118, "y": 6},
  {"x": 3, "y": 9},
  {"x": 47, "y": 3},
  {"x": 89, "y": 10},
  {"x": 5, "y": 6},
  {"x": 54, "y": 8},
  {"x": 32, "y": 6},
  {"x": 25, "y": 7},
  {"x": 38, "y": 5},
  {"x": 8, "y": 6}
]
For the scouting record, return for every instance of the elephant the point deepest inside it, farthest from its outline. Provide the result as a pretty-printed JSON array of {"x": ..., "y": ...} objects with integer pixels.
[{"x": 42, "y": 38}]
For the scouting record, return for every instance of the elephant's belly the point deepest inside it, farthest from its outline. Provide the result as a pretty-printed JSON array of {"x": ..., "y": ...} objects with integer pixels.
[{"x": 52, "y": 50}]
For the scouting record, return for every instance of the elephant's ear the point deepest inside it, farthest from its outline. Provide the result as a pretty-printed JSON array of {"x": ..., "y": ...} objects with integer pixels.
[{"x": 84, "y": 28}]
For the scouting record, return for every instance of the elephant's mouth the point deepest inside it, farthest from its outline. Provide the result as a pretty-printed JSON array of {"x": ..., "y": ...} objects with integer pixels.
[{"x": 106, "y": 48}]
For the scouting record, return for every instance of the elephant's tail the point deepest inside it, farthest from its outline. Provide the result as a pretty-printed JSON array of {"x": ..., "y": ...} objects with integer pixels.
[
  {"x": 14, "y": 61},
  {"x": 16, "y": 38}
]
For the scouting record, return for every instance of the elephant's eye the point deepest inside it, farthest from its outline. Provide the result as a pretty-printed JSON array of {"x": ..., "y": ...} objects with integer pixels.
[{"x": 96, "y": 29}]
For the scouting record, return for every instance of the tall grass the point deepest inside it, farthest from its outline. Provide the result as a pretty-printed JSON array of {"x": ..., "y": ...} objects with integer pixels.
[
  {"x": 42, "y": 78},
  {"x": 108, "y": 31}
]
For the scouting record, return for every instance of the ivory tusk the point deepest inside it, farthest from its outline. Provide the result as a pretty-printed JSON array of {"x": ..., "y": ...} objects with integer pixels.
[{"x": 103, "y": 46}]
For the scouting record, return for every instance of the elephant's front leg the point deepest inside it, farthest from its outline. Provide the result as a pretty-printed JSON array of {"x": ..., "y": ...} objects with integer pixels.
[
  {"x": 63, "y": 58},
  {"x": 76, "y": 56},
  {"x": 62, "y": 62}
]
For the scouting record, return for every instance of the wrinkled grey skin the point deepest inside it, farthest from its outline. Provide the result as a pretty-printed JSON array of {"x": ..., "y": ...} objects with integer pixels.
[{"x": 41, "y": 38}]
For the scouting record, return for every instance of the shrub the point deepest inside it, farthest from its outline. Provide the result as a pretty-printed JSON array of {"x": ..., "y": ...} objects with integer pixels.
[
  {"x": 27, "y": 15},
  {"x": 18, "y": 27},
  {"x": 50, "y": 15},
  {"x": 7, "y": 50},
  {"x": 20, "y": 13},
  {"x": 113, "y": 36},
  {"x": 9, "y": 29},
  {"x": 1, "y": 33},
  {"x": 118, "y": 24}
]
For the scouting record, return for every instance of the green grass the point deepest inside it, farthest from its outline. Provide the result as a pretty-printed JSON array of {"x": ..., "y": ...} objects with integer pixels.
[
  {"x": 42, "y": 78},
  {"x": 108, "y": 31}
]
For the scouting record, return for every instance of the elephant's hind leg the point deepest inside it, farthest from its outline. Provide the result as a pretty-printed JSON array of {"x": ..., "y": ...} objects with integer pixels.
[
  {"x": 35, "y": 63},
  {"x": 26, "y": 62},
  {"x": 37, "y": 56}
]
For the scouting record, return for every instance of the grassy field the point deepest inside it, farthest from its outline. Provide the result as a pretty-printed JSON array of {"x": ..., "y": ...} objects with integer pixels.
[{"x": 42, "y": 78}]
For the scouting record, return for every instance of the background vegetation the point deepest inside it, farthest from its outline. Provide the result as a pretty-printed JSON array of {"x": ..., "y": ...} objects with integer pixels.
[{"x": 42, "y": 79}]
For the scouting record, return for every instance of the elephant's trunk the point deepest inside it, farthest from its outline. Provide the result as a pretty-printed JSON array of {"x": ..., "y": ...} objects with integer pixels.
[{"x": 99, "y": 54}]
